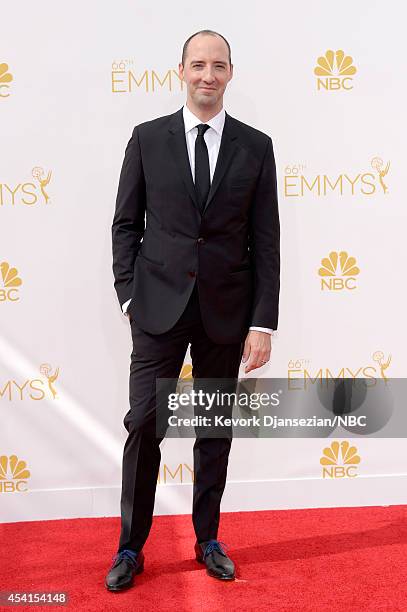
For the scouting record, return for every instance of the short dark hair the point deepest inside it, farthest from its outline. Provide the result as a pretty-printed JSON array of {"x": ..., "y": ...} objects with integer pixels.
[{"x": 209, "y": 32}]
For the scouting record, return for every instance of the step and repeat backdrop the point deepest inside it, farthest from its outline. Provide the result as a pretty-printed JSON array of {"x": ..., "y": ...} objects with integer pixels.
[{"x": 328, "y": 86}]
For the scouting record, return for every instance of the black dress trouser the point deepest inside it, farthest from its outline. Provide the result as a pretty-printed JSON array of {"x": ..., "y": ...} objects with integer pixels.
[{"x": 162, "y": 356}]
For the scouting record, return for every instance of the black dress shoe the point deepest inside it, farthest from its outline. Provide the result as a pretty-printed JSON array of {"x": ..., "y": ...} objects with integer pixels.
[
  {"x": 127, "y": 564},
  {"x": 218, "y": 564}
]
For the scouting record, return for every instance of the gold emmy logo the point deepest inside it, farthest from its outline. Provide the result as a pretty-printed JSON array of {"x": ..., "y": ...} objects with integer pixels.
[
  {"x": 300, "y": 373},
  {"x": 5, "y": 78},
  {"x": 378, "y": 357},
  {"x": 31, "y": 388},
  {"x": 13, "y": 474},
  {"x": 38, "y": 173},
  {"x": 125, "y": 78},
  {"x": 45, "y": 369},
  {"x": 10, "y": 281},
  {"x": 298, "y": 183},
  {"x": 377, "y": 164},
  {"x": 339, "y": 460},
  {"x": 182, "y": 470},
  {"x": 338, "y": 272},
  {"x": 334, "y": 71},
  {"x": 26, "y": 192}
]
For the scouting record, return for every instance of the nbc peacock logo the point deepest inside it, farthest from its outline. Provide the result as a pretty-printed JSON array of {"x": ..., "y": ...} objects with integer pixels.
[
  {"x": 5, "y": 78},
  {"x": 338, "y": 272},
  {"x": 334, "y": 71},
  {"x": 9, "y": 283},
  {"x": 13, "y": 474},
  {"x": 340, "y": 460}
]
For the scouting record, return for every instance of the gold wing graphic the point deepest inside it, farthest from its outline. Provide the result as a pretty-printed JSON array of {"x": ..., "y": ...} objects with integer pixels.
[
  {"x": 385, "y": 171},
  {"x": 386, "y": 365},
  {"x": 47, "y": 180},
  {"x": 54, "y": 376}
]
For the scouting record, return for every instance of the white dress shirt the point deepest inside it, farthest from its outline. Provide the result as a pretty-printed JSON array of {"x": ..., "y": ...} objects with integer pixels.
[{"x": 212, "y": 139}]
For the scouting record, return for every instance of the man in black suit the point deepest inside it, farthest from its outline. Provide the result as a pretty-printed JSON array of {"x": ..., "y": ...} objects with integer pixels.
[{"x": 196, "y": 261}]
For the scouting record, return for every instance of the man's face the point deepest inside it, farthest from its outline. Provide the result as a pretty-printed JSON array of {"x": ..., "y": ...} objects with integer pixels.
[{"x": 206, "y": 70}]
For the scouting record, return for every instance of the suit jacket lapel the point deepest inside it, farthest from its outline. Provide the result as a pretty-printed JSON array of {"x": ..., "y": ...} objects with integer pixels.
[
  {"x": 227, "y": 149},
  {"x": 178, "y": 145}
]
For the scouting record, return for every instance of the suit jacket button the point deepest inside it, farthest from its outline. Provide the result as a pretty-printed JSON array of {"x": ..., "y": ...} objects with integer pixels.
[
  {"x": 201, "y": 240},
  {"x": 192, "y": 273}
]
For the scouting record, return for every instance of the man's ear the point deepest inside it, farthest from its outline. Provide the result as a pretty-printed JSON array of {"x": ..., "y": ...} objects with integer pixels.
[{"x": 181, "y": 71}]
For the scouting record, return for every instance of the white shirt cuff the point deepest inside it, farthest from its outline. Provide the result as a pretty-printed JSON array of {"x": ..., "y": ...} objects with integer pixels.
[
  {"x": 264, "y": 329},
  {"x": 125, "y": 306}
]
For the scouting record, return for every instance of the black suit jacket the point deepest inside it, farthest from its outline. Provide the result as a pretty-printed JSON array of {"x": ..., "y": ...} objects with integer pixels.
[{"x": 162, "y": 245}]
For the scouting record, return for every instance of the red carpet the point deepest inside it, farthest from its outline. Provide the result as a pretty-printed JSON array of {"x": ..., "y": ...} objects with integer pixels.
[{"x": 340, "y": 559}]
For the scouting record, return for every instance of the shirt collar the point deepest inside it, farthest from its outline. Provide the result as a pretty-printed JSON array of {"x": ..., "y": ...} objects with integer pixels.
[{"x": 190, "y": 120}]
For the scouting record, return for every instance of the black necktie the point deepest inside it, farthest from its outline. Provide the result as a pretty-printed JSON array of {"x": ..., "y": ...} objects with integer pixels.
[{"x": 202, "y": 174}]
